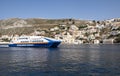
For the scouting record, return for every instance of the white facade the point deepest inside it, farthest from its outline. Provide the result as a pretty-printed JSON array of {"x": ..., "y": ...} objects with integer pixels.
[{"x": 96, "y": 41}]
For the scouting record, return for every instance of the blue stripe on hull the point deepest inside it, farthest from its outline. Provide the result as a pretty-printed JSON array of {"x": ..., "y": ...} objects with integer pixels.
[
  {"x": 53, "y": 43},
  {"x": 29, "y": 45}
]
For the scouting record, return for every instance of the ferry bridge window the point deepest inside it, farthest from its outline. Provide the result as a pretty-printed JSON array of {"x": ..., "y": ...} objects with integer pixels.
[
  {"x": 37, "y": 41},
  {"x": 24, "y": 41}
]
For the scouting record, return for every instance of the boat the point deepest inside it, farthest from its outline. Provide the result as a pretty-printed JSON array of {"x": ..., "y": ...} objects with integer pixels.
[{"x": 33, "y": 41}]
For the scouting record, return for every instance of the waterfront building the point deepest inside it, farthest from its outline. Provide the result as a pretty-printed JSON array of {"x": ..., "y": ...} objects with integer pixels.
[
  {"x": 108, "y": 41},
  {"x": 96, "y": 41}
]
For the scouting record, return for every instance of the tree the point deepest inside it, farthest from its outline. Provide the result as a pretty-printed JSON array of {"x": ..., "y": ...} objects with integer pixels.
[
  {"x": 117, "y": 40},
  {"x": 94, "y": 21},
  {"x": 98, "y": 22}
]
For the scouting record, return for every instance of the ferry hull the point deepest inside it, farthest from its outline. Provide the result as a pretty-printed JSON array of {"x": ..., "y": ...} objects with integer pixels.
[{"x": 49, "y": 44}]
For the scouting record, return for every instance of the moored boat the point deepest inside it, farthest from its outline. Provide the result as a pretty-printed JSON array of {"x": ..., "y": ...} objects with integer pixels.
[{"x": 33, "y": 41}]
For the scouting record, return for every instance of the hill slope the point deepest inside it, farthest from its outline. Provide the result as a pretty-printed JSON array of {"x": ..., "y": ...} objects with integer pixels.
[{"x": 27, "y": 26}]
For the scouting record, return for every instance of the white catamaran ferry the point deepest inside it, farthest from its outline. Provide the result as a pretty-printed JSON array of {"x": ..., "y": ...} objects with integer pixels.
[{"x": 33, "y": 41}]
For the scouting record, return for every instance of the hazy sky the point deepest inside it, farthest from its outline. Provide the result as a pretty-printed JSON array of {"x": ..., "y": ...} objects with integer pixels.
[{"x": 78, "y": 9}]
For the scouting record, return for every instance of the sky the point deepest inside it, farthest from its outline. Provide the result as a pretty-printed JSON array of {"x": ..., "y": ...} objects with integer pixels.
[{"x": 58, "y": 9}]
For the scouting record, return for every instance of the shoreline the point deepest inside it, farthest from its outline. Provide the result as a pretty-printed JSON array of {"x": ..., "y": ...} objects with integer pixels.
[
  {"x": 5, "y": 43},
  {"x": 88, "y": 43}
]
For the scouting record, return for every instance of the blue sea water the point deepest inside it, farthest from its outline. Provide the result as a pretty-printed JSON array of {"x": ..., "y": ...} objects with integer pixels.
[{"x": 66, "y": 60}]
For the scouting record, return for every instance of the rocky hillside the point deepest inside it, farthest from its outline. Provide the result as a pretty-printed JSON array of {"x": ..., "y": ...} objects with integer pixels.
[
  {"x": 27, "y": 26},
  {"x": 84, "y": 30}
]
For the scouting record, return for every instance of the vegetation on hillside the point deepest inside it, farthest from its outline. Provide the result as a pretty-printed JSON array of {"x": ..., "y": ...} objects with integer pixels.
[{"x": 9, "y": 26}]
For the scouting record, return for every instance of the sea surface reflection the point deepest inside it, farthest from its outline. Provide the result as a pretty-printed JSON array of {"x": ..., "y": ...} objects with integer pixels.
[{"x": 66, "y": 60}]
